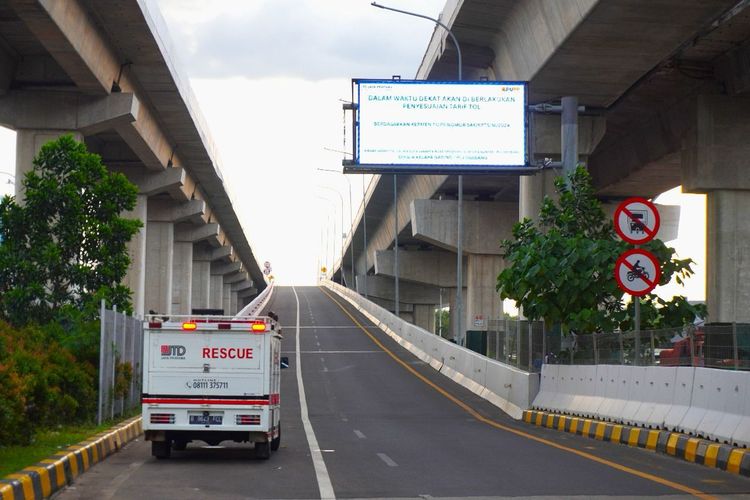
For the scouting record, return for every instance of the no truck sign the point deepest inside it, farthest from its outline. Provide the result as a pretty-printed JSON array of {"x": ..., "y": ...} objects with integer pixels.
[{"x": 637, "y": 220}]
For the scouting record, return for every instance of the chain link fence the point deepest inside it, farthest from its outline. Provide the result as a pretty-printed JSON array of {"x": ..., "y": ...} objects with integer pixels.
[
  {"x": 120, "y": 354},
  {"x": 527, "y": 345}
]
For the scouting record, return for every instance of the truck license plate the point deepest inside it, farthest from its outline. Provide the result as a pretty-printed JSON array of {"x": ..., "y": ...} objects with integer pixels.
[{"x": 206, "y": 419}]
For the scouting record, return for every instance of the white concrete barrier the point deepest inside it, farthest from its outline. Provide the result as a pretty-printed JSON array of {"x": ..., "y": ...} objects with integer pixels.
[
  {"x": 567, "y": 388},
  {"x": 510, "y": 389},
  {"x": 635, "y": 385},
  {"x": 657, "y": 397},
  {"x": 681, "y": 399},
  {"x": 699, "y": 402},
  {"x": 547, "y": 388},
  {"x": 624, "y": 374},
  {"x": 728, "y": 401},
  {"x": 741, "y": 434},
  {"x": 584, "y": 401},
  {"x": 610, "y": 378}
]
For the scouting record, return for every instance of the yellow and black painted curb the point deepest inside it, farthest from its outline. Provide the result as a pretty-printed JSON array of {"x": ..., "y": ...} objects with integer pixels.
[
  {"x": 691, "y": 449},
  {"x": 52, "y": 474}
]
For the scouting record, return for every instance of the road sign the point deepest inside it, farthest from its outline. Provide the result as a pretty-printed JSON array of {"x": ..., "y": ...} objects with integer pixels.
[
  {"x": 637, "y": 272},
  {"x": 637, "y": 220}
]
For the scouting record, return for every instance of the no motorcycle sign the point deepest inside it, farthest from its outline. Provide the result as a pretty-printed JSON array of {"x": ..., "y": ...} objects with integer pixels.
[{"x": 637, "y": 272}]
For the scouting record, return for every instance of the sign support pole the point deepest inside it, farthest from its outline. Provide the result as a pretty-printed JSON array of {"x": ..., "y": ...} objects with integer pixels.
[
  {"x": 395, "y": 241},
  {"x": 458, "y": 334},
  {"x": 636, "y": 361}
]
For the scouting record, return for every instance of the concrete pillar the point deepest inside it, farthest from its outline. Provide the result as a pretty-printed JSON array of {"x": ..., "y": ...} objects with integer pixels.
[
  {"x": 159, "y": 266},
  {"x": 201, "y": 285},
  {"x": 226, "y": 296},
  {"x": 728, "y": 256},
  {"x": 182, "y": 277},
  {"x": 532, "y": 190},
  {"x": 482, "y": 300},
  {"x": 714, "y": 161},
  {"x": 28, "y": 144},
  {"x": 424, "y": 316},
  {"x": 216, "y": 292},
  {"x": 135, "y": 279}
]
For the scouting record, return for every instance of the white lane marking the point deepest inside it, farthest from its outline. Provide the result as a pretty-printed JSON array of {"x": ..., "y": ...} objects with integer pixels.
[
  {"x": 359, "y": 434},
  {"x": 388, "y": 461},
  {"x": 335, "y": 352},
  {"x": 319, "y": 327},
  {"x": 321, "y": 473}
]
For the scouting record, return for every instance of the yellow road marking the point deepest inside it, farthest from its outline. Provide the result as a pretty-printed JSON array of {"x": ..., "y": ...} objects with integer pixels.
[
  {"x": 600, "y": 428},
  {"x": 712, "y": 455},
  {"x": 616, "y": 433},
  {"x": 653, "y": 440},
  {"x": 471, "y": 411},
  {"x": 735, "y": 459}
]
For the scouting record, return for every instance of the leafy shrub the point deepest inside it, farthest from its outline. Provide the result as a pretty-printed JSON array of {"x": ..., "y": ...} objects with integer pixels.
[{"x": 41, "y": 384}]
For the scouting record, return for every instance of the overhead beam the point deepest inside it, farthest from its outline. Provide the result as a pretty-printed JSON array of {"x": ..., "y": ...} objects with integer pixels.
[{"x": 48, "y": 110}]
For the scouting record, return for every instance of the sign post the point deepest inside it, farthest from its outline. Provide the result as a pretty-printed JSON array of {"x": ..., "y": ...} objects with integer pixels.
[{"x": 637, "y": 271}]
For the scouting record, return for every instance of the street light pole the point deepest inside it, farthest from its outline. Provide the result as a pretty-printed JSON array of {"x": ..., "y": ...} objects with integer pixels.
[
  {"x": 333, "y": 222},
  {"x": 458, "y": 331},
  {"x": 351, "y": 222},
  {"x": 341, "y": 199}
]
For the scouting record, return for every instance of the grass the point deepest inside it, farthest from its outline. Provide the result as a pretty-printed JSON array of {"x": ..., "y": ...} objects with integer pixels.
[{"x": 46, "y": 444}]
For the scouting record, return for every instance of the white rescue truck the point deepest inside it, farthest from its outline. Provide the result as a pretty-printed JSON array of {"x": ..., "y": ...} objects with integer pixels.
[{"x": 213, "y": 379}]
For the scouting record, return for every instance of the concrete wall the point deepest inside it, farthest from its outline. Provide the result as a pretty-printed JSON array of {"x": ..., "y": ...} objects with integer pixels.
[{"x": 508, "y": 388}]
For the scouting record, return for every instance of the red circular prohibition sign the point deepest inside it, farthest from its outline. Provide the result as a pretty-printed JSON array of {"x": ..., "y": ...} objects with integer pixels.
[
  {"x": 637, "y": 272},
  {"x": 637, "y": 220}
]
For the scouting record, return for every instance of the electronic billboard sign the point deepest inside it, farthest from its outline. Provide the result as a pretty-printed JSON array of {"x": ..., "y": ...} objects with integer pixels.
[{"x": 418, "y": 126}]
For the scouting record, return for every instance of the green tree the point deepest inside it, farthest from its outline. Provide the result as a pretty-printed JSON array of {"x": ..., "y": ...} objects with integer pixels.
[
  {"x": 65, "y": 247},
  {"x": 562, "y": 270}
]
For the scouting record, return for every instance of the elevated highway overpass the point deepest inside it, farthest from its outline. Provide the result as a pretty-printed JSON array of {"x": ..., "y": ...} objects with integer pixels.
[
  {"x": 102, "y": 70},
  {"x": 664, "y": 89}
]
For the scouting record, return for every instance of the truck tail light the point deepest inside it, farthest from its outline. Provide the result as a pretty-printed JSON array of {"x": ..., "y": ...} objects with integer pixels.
[
  {"x": 248, "y": 419},
  {"x": 189, "y": 326},
  {"x": 154, "y": 324},
  {"x": 258, "y": 326},
  {"x": 225, "y": 326},
  {"x": 162, "y": 418}
]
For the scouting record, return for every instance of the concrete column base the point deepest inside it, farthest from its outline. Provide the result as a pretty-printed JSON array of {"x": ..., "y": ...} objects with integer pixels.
[
  {"x": 482, "y": 300},
  {"x": 728, "y": 256},
  {"x": 182, "y": 277},
  {"x": 135, "y": 279},
  {"x": 159, "y": 266},
  {"x": 216, "y": 294}
]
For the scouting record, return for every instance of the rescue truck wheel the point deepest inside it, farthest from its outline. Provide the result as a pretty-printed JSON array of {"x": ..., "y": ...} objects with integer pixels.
[
  {"x": 179, "y": 445},
  {"x": 263, "y": 450},
  {"x": 160, "y": 449},
  {"x": 276, "y": 442}
]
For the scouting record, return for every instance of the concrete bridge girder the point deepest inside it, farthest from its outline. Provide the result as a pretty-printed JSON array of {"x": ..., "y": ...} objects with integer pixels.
[
  {"x": 428, "y": 267},
  {"x": 485, "y": 224},
  {"x": 410, "y": 293}
]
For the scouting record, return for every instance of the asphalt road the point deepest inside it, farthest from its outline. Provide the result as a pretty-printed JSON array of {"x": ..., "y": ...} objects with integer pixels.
[{"x": 388, "y": 426}]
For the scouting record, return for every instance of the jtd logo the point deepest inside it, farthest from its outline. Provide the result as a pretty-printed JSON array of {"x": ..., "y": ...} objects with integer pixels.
[{"x": 173, "y": 350}]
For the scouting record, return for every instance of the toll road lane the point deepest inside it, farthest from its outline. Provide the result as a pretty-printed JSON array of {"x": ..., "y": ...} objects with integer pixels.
[
  {"x": 390, "y": 427},
  {"x": 425, "y": 435}
]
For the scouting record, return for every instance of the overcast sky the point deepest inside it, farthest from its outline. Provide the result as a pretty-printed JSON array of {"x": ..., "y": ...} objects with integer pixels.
[{"x": 270, "y": 76}]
